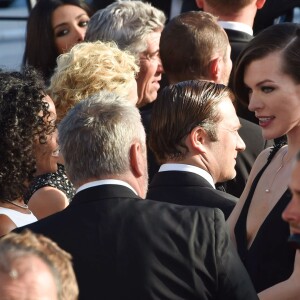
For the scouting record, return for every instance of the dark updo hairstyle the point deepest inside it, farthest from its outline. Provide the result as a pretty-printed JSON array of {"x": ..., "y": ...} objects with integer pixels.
[
  {"x": 40, "y": 50},
  {"x": 283, "y": 38},
  {"x": 23, "y": 115}
]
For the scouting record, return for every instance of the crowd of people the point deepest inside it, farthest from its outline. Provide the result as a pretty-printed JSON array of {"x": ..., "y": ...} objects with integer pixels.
[{"x": 148, "y": 154}]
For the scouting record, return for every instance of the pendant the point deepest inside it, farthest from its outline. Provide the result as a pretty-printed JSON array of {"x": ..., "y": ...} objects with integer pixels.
[{"x": 267, "y": 191}]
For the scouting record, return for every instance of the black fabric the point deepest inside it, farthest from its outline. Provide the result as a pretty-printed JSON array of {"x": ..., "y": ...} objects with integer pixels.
[
  {"x": 238, "y": 41},
  {"x": 153, "y": 166},
  {"x": 127, "y": 248},
  {"x": 273, "y": 9},
  {"x": 58, "y": 180},
  {"x": 270, "y": 259},
  {"x": 187, "y": 188}
]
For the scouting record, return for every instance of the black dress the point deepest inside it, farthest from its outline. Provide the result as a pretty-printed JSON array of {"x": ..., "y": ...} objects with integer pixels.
[
  {"x": 57, "y": 180},
  {"x": 270, "y": 259}
]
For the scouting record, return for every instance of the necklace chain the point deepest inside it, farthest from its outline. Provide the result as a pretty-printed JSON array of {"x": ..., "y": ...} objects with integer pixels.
[
  {"x": 24, "y": 206},
  {"x": 268, "y": 189}
]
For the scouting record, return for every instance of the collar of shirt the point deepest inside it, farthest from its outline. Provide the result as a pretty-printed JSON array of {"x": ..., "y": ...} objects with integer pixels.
[
  {"x": 188, "y": 168},
  {"x": 104, "y": 182},
  {"x": 236, "y": 26}
]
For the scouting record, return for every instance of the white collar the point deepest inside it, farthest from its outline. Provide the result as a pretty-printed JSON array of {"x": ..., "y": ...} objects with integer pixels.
[
  {"x": 104, "y": 182},
  {"x": 236, "y": 26},
  {"x": 188, "y": 168}
]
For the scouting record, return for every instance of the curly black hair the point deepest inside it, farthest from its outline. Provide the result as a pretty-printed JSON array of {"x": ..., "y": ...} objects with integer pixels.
[{"x": 23, "y": 115}]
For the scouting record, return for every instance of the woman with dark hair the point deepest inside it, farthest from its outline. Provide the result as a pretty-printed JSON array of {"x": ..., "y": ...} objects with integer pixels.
[
  {"x": 267, "y": 78},
  {"x": 28, "y": 143},
  {"x": 53, "y": 27}
]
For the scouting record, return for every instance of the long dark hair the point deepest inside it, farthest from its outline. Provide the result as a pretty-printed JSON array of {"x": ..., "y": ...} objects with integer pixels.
[{"x": 40, "y": 51}]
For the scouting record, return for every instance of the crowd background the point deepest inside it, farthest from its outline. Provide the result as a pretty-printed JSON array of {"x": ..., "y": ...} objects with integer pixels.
[{"x": 150, "y": 104}]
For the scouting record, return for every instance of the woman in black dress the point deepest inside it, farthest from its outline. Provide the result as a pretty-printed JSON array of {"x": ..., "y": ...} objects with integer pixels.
[{"x": 267, "y": 78}]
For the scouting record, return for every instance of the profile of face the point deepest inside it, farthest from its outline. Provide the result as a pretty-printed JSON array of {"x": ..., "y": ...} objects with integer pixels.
[
  {"x": 69, "y": 23},
  {"x": 223, "y": 152},
  {"x": 150, "y": 71},
  {"x": 273, "y": 95},
  {"x": 30, "y": 278},
  {"x": 291, "y": 214},
  {"x": 47, "y": 154}
]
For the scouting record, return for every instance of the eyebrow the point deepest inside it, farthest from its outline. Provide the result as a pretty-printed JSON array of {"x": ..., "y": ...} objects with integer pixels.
[
  {"x": 65, "y": 23},
  {"x": 264, "y": 82}
]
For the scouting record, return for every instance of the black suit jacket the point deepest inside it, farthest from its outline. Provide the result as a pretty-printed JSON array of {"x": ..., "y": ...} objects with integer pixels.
[
  {"x": 272, "y": 9},
  {"x": 238, "y": 41},
  {"x": 132, "y": 249},
  {"x": 187, "y": 188}
]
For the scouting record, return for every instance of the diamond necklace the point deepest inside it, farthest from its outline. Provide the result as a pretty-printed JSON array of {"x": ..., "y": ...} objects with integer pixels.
[
  {"x": 24, "y": 206},
  {"x": 268, "y": 189}
]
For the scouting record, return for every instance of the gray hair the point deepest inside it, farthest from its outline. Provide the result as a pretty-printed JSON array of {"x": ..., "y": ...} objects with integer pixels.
[
  {"x": 128, "y": 23},
  {"x": 96, "y": 135}
]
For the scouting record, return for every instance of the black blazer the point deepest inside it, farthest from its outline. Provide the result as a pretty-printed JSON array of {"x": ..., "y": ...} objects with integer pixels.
[
  {"x": 132, "y": 249},
  {"x": 238, "y": 41},
  {"x": 187, "y": 188}
]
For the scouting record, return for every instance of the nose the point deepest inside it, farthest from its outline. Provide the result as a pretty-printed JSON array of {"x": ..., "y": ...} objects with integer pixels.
[
  {"x": 291, "y": 212},
  {"x": 80, "y": 34},
  {"x": 254, "y": 102},
  {"x": 240, "y": 145},
  {"x": 160, "y": 68}
]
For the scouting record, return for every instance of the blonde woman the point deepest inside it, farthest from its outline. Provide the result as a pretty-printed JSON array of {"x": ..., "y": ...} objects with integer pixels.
[{"x": 89, "y": 68}]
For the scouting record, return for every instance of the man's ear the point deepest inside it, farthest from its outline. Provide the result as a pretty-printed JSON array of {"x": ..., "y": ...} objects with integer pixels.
[
  {"x": 215, "y": 69},
  {"x": 260, "y": 3},
  {"x": 137, "y": 159},
  {"x": 199, "y": 3},
  {"x": 198, "y": 140}
]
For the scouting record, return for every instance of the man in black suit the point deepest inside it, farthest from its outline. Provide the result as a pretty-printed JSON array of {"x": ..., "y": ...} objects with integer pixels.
[
  {"x": 194, "y": 46},
  {"x": 194, "y": 134},
  {"x": 124, "y": 247}
]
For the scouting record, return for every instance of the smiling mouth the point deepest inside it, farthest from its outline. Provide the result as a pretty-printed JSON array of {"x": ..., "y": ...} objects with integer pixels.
[{"x": 263, "y": 121}]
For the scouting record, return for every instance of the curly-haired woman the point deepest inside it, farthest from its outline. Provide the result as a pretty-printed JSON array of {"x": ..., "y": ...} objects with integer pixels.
[{"x": 28, "y": 142}]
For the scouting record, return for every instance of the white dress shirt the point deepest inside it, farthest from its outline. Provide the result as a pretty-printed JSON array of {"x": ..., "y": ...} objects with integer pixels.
[
  {"x": 188, "y": 168},
  {"x": 104, "y": 182},
  {"x": 236, "y": 26}
]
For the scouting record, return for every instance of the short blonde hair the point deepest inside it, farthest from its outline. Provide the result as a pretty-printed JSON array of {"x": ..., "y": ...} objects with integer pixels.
[{"x": 88, "y": 68}]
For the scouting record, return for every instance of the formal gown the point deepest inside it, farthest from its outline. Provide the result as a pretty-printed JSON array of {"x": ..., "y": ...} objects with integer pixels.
[{"x": 270, "y": 259}]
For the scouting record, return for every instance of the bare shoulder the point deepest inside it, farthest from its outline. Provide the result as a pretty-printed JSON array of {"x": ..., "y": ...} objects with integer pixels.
[
  {"x": 46, "y": 201},
  {"x": 6, "y": 225}
]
